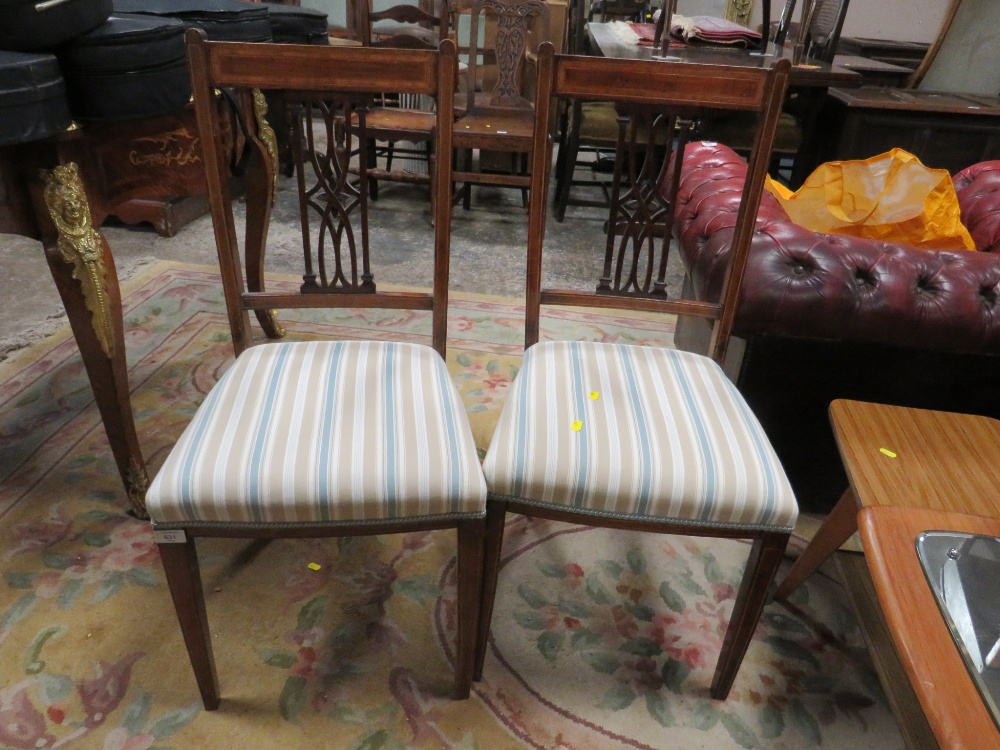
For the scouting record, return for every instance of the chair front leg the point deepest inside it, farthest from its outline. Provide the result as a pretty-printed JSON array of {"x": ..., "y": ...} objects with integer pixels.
[
  {"x": 469, "y": 575},
  {"x": 180, "y": 564},
  {"x": 496, "y": 513},
  {"x": 765, "y": 557}
]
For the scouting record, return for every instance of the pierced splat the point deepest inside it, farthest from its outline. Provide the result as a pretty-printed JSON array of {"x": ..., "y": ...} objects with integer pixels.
[
  {"x": 638, "y": 238},
  {"x": 336, "y": 201},
  {"x": 513, "y": 19}
]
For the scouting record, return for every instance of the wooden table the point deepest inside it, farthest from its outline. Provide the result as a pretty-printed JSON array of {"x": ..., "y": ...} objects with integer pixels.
[
  {"x": 941, "y": 461},
  {"x": 874, "y": 72},
  {"x": 810, "y": 79},
  {"x": 935, "y": 669},
  {"x": 811, "y": 73},
  {"x": 161, "y": 159},
  {"x": 897, "y": 457}
]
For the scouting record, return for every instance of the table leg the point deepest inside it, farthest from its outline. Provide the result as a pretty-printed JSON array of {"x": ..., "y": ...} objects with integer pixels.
[
  {"x": 261, "y": 186},
  {"x": 835, "y": 530},
  {"x": 84, "y": 272}
]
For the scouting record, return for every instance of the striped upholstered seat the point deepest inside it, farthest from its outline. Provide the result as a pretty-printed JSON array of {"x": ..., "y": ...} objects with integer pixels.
[
  {"x": 321, "y": 432},
  {"x": 659, "y": 435}
]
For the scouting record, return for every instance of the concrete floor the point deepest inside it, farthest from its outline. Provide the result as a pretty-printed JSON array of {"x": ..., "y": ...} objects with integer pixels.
[{"x": 488, "y": 251}]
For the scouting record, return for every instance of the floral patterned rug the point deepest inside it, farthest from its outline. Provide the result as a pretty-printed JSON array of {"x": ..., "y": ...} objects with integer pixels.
[{"x": 600, "y": 639}]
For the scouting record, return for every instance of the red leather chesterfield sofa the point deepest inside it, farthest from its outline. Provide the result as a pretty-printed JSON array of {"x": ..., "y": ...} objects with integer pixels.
[{"x": 828, "y": 316}]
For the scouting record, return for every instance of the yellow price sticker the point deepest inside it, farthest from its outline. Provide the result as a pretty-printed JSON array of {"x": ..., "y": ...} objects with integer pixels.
[
  {"x": 314, "y": 566},
  {"x": 887, "y": 452},
  {"x": 594, "y": 395},
  {"x": 577, "y": 425}
]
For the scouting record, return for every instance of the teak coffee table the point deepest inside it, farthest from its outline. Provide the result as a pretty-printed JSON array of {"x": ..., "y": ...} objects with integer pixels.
[
  {"x": 911, "y": 458},
  {"x": 911, "y": 470}
]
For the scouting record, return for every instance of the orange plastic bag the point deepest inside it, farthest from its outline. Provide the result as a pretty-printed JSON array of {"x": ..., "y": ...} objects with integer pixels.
[{"x": 890, "y": 197}]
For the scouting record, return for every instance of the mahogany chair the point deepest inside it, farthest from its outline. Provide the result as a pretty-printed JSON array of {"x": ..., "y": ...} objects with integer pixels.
[
  {"x": 502, "y": 119},
  {"x": 634, "y": 437},
  {"x": 319, "y": 439}
]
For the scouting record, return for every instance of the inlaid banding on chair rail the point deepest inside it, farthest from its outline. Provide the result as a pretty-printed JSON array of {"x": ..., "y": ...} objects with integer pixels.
[
  {"x": 641, "y": 81},
  {"x": 298, "y": 68}
]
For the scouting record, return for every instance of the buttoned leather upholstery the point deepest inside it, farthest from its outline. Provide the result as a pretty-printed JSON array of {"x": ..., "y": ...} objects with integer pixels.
[{"x": 804, "y": 284}]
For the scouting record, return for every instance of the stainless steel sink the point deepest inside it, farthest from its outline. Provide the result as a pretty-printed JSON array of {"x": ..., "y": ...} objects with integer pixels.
[{"x": 963, "y": 571}]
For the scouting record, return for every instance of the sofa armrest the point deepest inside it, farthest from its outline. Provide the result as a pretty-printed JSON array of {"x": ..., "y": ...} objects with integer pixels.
[
  {"x": 804, "y": 284},
  {"x": 978, "y": 189}
]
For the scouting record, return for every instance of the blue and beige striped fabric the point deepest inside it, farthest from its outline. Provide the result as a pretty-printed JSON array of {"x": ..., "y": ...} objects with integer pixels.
[
  {"x": 640, "y": 432},
  {"x": 316, "y": 432}
]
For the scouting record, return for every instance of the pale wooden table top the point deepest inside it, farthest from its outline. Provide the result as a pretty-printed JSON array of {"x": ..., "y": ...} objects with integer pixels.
[
  {"x": 945, "y": 689},
  {"x": 943, "y": 461}
]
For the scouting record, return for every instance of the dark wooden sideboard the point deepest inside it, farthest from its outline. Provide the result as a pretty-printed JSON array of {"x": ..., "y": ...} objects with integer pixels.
[{"x": 946, "y": 131}]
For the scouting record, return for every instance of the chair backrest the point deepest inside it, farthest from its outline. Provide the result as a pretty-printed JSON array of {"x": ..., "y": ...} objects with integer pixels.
[
  {"x": 334, "y": 86},
  {"x": 513, "y": 21},
  {"x": 826, "y": 19},
  {"x": 965, "y": 57},
  {"x": 403, "y": 26},
  {"x": 666, "y": 101}
]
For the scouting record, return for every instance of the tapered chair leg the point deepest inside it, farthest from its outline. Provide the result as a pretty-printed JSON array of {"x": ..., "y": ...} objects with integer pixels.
[
  {"x": 765, "y": 557},
  {"x": 496, "y": 513},
  {"x": 180, "y": 564},
  {"x": 469, "y": 575}
]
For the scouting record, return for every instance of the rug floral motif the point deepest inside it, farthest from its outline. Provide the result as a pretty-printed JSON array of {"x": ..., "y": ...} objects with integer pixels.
[{"x": 600, "y": 640}]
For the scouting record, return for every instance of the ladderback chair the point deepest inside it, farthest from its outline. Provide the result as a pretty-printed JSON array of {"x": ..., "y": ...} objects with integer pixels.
[
  {"x": 399, "y": 116},
  {"x": 319, "y": 438},
  {"x": 402, "y": 25},
  {"x": 635, "y": 437},
  {"x": 502, "y": 118}
]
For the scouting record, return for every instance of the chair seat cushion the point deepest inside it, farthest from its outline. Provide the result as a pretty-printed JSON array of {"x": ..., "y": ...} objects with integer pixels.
[
  {"x": 321, "y": 432},
  {"x": 636, "y": 432}
]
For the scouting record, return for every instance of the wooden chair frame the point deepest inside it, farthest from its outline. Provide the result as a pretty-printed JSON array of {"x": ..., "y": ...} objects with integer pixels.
[
  {"x": 311, "y": 72},
  {"x": 412, "y": 28},
  {"x": 687, "y": 90},
  {"x": 500, "y": 119}
]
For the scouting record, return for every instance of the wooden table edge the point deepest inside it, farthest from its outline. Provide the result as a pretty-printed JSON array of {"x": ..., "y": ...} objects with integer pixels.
[{"x": 932, "y": 662}]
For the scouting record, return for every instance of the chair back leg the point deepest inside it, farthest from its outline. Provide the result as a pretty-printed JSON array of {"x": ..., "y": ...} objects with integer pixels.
[{"x": 765, "y": 557}]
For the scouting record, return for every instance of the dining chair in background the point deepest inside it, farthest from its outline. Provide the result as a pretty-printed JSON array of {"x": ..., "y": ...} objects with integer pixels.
[
  {"x": 321, "y": 438},
  {"x": 398, "y": 117},
  {"x": 500, "y": 118},
  {"x": 634, "y": 437}
]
